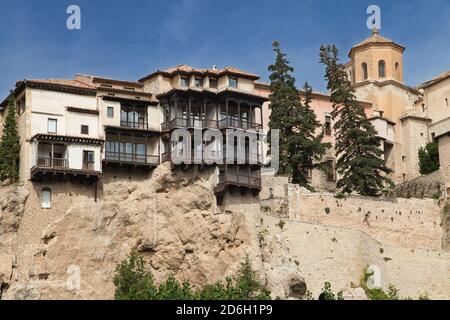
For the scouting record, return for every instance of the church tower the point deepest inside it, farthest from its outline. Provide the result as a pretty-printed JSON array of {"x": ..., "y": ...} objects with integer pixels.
[
  {"x": 376, "y": 71},
  {"x": 376, "y": 59}
]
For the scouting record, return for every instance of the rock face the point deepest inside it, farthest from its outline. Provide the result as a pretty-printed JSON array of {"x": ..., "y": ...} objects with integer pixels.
[
  {"x": 12, "y": 208},
  {"x": 170, "y": 216}
]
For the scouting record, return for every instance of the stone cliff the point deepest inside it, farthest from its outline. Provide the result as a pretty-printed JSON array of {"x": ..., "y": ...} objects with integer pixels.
[{"x": 71, "y": 250}]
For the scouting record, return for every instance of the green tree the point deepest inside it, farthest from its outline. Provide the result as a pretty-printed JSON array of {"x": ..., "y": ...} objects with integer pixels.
[
  {"x": 429, "y": 158},
  {"x": 328, "y": 294},
  {"x": 301, "y": 149},
  {"x": 134, "y": 281},
  {"x": 360, "y": 163},
  {"x": 10, "y": 144}
]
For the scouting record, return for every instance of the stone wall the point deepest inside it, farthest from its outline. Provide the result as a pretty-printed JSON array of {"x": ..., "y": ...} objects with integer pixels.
[
  {"x": 428, "y": 186},
  {"x": 340, "y": 255},
  {"x": 334, "y": 239},
  {"x": 410, "y": 223}
]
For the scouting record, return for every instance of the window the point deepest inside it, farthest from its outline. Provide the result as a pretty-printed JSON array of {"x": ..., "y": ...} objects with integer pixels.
[
  {"x": 364, "y": 71},
  {"x": 84, "y": 129},
  {"x": 88, "y": 160},
  {"x": 52, "y": 125},
  {"x": 328, "y": 125},
  {"x": 331, "y": 176},
  {"x": 213, "y": 83},
  {"x": 446, "y": 102},
  {"x": 185, "y": 82},
  {"x": 396, "y": 66},
  {"x": 381, "y": 69},
  {"x": 21, "y": 105},
  {"x": 233, "y": 82},
  {"x": 110, "y": 112},
  {"x": 198, "y": 82},
  {"x": 46, "y": 198}
]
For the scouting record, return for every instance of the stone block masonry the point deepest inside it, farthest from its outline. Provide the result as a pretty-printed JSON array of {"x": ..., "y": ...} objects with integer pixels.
[{"x": 409, "y": 223}]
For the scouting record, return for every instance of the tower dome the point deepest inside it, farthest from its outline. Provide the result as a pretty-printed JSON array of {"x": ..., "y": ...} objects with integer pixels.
[{"x": 376, "y": 59}]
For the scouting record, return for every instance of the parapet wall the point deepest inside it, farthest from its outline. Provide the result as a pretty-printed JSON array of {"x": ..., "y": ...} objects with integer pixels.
[
  {"x": 334, "y": 240},
  {"x": 409, "y": 223}
]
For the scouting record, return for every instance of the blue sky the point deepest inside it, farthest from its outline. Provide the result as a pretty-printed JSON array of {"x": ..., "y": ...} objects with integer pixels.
[{"x": 129, "y": 39}]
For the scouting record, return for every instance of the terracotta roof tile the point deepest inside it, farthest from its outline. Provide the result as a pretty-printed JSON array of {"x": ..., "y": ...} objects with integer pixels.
[
  {"x": 62, "y": 82},
  {"x": 183, "y": 68},
  {"x": 375, "y": 38}
]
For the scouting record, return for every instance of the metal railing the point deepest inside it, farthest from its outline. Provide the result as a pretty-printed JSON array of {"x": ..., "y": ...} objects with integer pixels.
[
  {"x": 131, "y": 158},
  {"x": 134, "y": 125},
  {"x": 48, "y": 162}
]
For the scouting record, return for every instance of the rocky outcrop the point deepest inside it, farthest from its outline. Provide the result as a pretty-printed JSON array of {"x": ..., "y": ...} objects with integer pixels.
[
  {"x": 12, "y": 209},
  {"x": 169, "y": 215}
]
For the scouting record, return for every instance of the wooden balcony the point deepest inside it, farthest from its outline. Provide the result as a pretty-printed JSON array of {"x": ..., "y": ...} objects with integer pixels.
[
  {"x": 131, "y": 159},
  {"x": 134, "y": 125},
  {"x": 216, "y": 157},
  {"x": 47, "y": 162},
  {"x": 48, "y": 166},
  {"x": 235, "y": 123},
  {"x": 184, "y": 123},
  {"x": 227, "y": 123},
  {"x": 248, "y": 181}
]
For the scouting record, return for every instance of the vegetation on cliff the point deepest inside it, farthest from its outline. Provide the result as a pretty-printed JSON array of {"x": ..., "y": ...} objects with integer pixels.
[
  {"x": 360, "y": 163},
  {"x": 10, "y": 145},
  {"x": 300, "y": 148},
  {"x": 134, "y": 281}
]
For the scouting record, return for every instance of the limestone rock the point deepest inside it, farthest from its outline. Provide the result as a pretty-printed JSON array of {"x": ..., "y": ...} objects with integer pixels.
[{"x": 354, "y": 294}]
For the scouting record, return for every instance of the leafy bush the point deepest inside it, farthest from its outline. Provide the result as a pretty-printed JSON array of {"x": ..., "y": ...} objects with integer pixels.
[
  {"x": 429, "y": 158},
  {"x": 134, "y": 281},
  {"x": 327, "y": 293}
]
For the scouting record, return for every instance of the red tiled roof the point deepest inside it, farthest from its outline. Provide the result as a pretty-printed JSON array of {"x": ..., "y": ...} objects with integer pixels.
[
  {"x": 203, "y": 72},
  {"x": 375, "y": 39}
]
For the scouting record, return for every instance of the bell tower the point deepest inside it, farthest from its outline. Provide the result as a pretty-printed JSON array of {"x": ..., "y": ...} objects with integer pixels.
[{"x": 376, "y": 59}]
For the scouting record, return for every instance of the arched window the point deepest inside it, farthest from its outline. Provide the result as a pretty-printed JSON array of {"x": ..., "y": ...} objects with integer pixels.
[
  {"x": 381, "y": 69},
  {"x": 46, "y": 198},
  {"x": 364, "y": 71}
]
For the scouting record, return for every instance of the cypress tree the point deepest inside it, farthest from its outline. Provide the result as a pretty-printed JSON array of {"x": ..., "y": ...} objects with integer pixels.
[
  {"x": 300, "y": 148},
  {"x": 10, "y": 145},
  {"x": 360, "y": 162}
]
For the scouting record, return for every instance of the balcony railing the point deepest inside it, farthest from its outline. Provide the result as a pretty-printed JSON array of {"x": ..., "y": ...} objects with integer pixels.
[
  {"x": 48, "y": 162},
  {"x": 239, "y": 124},
  {"x": 218, "y": 157},
  {"x": 132, "y": 158},
  {"x": 134, "y": 125}
]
